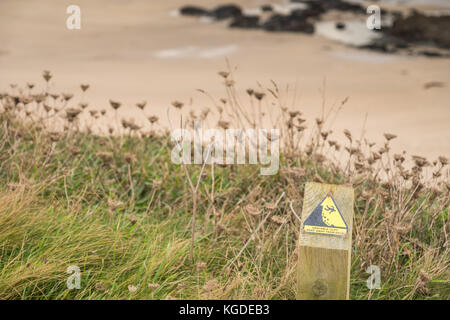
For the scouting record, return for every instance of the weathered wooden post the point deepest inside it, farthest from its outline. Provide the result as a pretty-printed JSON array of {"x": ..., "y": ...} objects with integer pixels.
[{"x": 325, "y": 242}]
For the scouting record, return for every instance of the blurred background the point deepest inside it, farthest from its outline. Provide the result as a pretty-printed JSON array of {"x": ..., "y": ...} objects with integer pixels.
[{"x": 137, "y": 50}]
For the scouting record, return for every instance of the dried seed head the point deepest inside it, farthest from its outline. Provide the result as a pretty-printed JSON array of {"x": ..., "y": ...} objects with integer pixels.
[
  {"x": 54, "y": 136},
  {"x": 67, "y": 96},
  {"x": 153, "y": 119},
  {"x": 210, "y": 285},
  {"x": 99, "y": 286},
  {"x": 114, "y": 204},
  {"x": 420, "y": 161},
  {"x": 309, "y": 149},
  {"x": 294, "y": 114},
  {"x": 72, "y": 113},
  {"x": 223, "y": 124},
  {"x": 157, "y": 183},
  {"x": 132, "y": 288},
  {"x": 192, "y": 115},
  {"x": 348, "y": 135},
  {"x": 359, "y": 166},
  {"x": 205, "y": 113},
  {"x": 437, "y": 174},
  {"x": 319, "y": 157},
  {"x": 115, "y": 104},
  {"x": 224, "y": 74},
  {"x": 201, "y": 266},
  {"x": 129, "y": 157},
  {"x": 443, "y": 160},
  {"x": 422, "y": 282},
  {"x": 229, "y": 83},
  {"x": 259, "y": 95},
  {"x": 389, "y": 136},
  {"x": 177, "y": 104},
  {"x": 278, "y": 220},
  {"x": 153, "y": 287},
  {"x": 47, "y": 108},
  {"x": 141, "y": 105},
  {"x": 133, "y": 126},
  {"x": 74, "y": 150},
  {"x": 47, "y": 75},
  {"x": 133, "y": 219},
  {"x": 124, "y": 123},
  {"x": 271, "y": 206},
  {"x": 252, "y": 210},
  {"x": 104, "y": 156},
  {"x": 399, "y": 157},
  {"x": 324, "y": 135}
]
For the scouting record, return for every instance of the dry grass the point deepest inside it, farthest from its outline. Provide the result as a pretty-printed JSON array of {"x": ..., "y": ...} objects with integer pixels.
[{"x": 116, "y": 206}]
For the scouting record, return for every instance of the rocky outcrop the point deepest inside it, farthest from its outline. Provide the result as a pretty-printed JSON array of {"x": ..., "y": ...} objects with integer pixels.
[
  {"x": 245, "y": 22},
  {"x": 225, "y": 12},
  {"x": 419, "y": 28},
  {"x": 290, "y": 23},
  {"x": 405, "y": 33},
  {"x": 319, "y": 7},
  {"x": 193, "y": 11}
]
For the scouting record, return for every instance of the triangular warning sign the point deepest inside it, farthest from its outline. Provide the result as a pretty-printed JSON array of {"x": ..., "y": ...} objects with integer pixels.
[{"x": 326, "y": 218}]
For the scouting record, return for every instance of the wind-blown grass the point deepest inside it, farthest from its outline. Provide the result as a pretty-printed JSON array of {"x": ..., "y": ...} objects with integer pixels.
[{"x": 117, "y": 207}]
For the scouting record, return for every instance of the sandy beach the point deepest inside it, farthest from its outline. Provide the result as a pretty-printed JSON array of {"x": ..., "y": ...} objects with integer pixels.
[{"x": 139, "y": 50}]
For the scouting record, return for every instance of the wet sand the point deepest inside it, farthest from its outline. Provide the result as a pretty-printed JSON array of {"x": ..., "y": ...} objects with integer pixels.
[{"x": 134, "y": 50}]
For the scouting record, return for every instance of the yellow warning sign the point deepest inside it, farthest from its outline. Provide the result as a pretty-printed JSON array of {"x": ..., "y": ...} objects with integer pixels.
[{"x": 326, "y": 218}]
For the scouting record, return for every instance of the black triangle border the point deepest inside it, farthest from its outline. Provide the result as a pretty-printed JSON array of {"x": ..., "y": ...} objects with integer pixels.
[{"x": 339, "y": 210}]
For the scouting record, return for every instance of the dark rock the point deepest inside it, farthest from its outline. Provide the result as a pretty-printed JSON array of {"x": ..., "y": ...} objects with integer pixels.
[
  {"x": 433, "y": 84},
  {"x": 386, "y": 45},
  {"x": 419, "y": 28},
  {"x": 380, "y": 47},
  {"x": 245, "y": 22},
  {"x": 225, "y": 12},
  {"x": 193, "y": 11},
  {"x": 314, "y": 10},
  {"x": 290, "y": 23},
  {"x": 266, "y": 8},
  {"x": 340, "y": 25},
  {"x": 326, "y": 5},
  {"x": 431, "y": 54}
]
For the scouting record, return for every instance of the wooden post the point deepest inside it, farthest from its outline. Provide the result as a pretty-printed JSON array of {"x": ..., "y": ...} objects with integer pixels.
[{"x": 324, "y": 259}]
